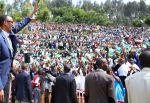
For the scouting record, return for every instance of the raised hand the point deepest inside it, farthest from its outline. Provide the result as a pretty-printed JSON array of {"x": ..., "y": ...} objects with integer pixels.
[{"x": 36, "y": 8}]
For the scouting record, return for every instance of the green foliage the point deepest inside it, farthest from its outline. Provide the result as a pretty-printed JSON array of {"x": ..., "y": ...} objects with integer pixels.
[
  {"x": 59, "y": 3},
  {"x": 58, "y": 11},
  {"x": 68, "y": 17},
  {"x": 58, "y": 19},
  {"x": 2, "y": 7},
  {"x": 43, "y": 14},
  {"x": 80, "y": 15},
  {"x": 9, "y": 9},
  {"x": 137, "y": 22},
  {"x": 26, "y": 9},
  {"x": 87, "y": 5},
  {"x": 111, "y": 12},
  {"x": 147, "y": 20},
  {"x": 77, "y": 15},
  {"x": 17, "y": 16}
]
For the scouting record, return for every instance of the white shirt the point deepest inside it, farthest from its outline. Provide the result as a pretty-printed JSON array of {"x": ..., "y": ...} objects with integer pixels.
[
  {"x": 138, "y": 86},
  {"x": 123, "y": 70},
  {"x": 133, "y": 65},
  {"x": 80, "y": 81}
]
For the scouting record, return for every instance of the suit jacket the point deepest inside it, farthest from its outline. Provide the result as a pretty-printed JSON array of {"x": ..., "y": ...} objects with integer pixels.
[
  {"x": 65, "y": 89},
  {"x": 23, "y": 88},
  {"x": 99, "y": 87},
  {"x": 5, "y": 54}
]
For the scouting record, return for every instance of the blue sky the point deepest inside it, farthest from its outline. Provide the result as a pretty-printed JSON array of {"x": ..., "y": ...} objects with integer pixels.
[{"x": 98, "y": 1}]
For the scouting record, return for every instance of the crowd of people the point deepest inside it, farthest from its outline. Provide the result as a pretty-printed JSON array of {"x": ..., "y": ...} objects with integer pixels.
[
  {"x": 50, "y": 62},
  {"x": 49, "y": 47}
]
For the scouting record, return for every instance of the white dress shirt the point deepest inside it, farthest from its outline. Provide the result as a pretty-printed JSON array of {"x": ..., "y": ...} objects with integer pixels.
[
  {"x": 80, "y": 82},
  {"x": 123, "y": 70},
  {"x": 138, "y": 86}
]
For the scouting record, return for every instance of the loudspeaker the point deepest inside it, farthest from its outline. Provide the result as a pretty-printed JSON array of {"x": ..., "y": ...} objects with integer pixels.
[{"x": 27, "y": 57}]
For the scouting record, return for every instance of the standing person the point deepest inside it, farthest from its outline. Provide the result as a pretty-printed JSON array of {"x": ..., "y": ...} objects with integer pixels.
[
  {"x": 123, "y": 70},
  {"x": 8, "y": 42},
  {"x": 119, "y": 89},
  {"x": 23, "y": 87},
  {"x": 137, "y": 84},
  {"x": 99, "y": 86},
  {"x": 65, "y": 87},
  {"x": 36, "y": 86}
]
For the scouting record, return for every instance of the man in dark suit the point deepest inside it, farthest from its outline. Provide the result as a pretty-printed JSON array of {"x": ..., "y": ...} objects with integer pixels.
[
  {"x": 8, "y": 42},
  {"x": 65, "y": 87},
  {"x": 99, "y": 87},
  {"x": 23, "y": 88}
]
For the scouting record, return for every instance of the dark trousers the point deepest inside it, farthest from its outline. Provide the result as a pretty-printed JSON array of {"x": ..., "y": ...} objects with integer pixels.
[
  {"x": 6, "y": 92},
  {"x": 123, "y": 80}
]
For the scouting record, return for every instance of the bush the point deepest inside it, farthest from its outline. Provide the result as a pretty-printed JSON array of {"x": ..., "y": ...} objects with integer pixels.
[
  {"x": 147, "y": 20},
  {"x": 137, "y": 22}
]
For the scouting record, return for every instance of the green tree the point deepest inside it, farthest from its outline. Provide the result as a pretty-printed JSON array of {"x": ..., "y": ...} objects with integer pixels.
[
  {"x": 131, "y": 9},
  {"x": 137, "y": 22},
  {"x": 9, "y": 9},
  {"x": 108, "y": 8},
  {"x": 17, "y": 16},
  {"x": 142, "y": 8},
  {"x": 68, "y": 17},
  {"x": 79, "y": 14},
  {"x": 58, "y": 11},
  {"x": 147, "y": 20},
  {"x": 58, "y": 19},
  {"x": 87, "y": 5},
  {"x": 2, "y": 7},
  {"x": 59, "y": 3},
  {"x": 26, "y": 8},
  {"x": 43, "y": 14}
]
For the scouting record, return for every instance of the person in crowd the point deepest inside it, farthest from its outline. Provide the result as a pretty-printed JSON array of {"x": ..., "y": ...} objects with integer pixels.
[
  {"x": 36, "y": 85},
  {"x": 123, "y": 70},
  {"x": 8, "y": 42},
  {"x": 137, "y": 84},
  {"x": 23, "y": 87},
  {"x": 133, "y": 67},
  {"x": 65, "y": 87},
  {"x": 99, "y": 86},
  {"x": 119, "y": 89},
  {"x": 16, "y": 70},
  {"x": 82, "y": 50},
  {"x": 79, "y": 78}
]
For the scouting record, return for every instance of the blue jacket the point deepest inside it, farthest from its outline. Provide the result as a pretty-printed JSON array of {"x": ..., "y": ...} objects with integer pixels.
[{"x": 5, "y": 54}]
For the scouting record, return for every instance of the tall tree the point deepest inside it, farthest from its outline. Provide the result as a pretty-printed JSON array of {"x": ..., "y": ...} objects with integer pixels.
[
  {"x": 142, "y": 8},
  {"x": 108, "y": 8},
  {"x": 131, "y": 9},
  {"x": 87, "y": 5},
  {"x": 2, "y": 7},
  {"x": 26, "y": 8},
  {"x": 59, "y": 3},
  {"x": 43, "y": 14},
  {"x": 147, "y": 20},
  {"x": 9, "y": 9}
]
